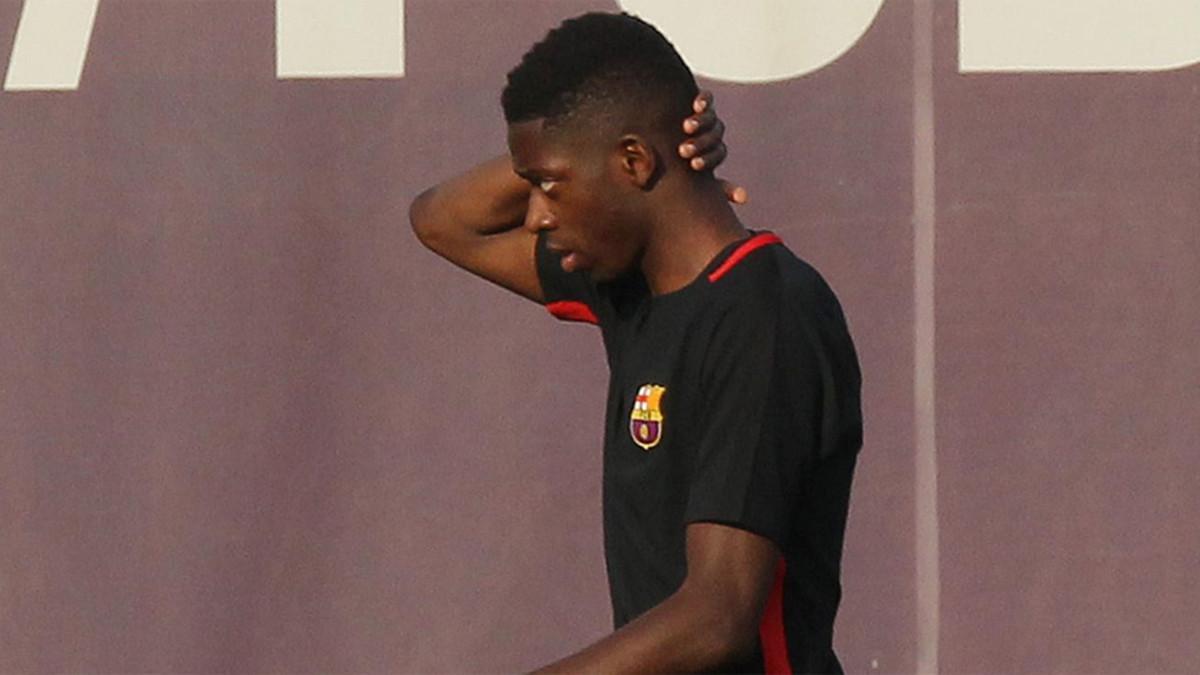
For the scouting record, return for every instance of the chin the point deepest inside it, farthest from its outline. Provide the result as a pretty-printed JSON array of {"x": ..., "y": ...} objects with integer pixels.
[
  {"x": 604, "y": 273},
  {"x": 600, "y": 276},
  {"x": 607, "y": 274}
]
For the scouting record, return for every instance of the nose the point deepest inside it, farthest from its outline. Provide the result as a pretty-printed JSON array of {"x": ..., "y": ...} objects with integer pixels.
[{"x": 538, "y": 216}]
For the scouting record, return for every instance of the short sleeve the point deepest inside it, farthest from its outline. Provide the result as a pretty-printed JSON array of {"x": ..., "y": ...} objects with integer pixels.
[
  {"x": 570, "y": 296},
  {"x": 761, "y": 392}
]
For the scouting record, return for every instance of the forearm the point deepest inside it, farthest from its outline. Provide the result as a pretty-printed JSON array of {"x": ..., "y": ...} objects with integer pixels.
[
  {"x": 486, "y": 199},
  {"x": 678, "y": 636}
]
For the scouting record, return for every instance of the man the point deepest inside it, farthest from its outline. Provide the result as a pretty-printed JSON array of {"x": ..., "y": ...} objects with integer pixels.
[{"x": 733, "y": 418}]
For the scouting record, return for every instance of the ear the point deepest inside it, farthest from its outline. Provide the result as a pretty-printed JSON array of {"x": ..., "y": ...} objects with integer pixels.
[{"x": 638, "y": 161}]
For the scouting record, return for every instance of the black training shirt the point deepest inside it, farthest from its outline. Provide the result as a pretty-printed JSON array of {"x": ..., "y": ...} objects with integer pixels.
[{"x": 732, "y": 400}]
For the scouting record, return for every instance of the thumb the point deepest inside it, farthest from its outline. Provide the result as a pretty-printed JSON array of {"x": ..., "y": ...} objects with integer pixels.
[{"x": 734, "y": 193}]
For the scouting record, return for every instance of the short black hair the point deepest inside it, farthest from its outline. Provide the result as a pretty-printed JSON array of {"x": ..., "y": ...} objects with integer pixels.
[{"x": 600, "y": 58}]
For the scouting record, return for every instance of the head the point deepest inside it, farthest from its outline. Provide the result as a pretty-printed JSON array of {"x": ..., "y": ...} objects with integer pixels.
[{"x": 594, "y": 113}]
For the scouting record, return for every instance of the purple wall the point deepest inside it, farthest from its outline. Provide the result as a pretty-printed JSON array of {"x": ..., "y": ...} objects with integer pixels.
[
  {"x": 248, "y": 424},
  {"x": 1068, "y": 371}
]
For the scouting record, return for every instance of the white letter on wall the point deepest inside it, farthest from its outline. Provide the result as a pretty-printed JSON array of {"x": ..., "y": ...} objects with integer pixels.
[
  {"x": 51, "y": 44},
  {"x": 1077, "y": 35},
  {"x": 347, "y": 38},
  {"x": 758, "y": 40}
]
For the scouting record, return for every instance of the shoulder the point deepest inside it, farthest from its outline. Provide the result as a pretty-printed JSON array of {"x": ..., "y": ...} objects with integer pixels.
[
  {"x": 775, "y": 300},
  {"x": 745, "y": 310},
  {"x": 772, "y": 282}
]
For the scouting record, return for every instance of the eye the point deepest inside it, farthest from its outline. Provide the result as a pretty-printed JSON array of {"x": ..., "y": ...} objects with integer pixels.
[{"x": 546, "y": 185}]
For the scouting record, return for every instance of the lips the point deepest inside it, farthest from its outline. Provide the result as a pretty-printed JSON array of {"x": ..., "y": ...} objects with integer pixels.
[{"x": 570, "y": 260}]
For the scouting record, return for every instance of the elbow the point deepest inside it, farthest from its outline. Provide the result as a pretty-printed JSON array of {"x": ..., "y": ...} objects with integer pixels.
[
  {"x": 737, "y": 631},
  {"x": 725, "y": 637},
  {"x": 421, "y": 219},
  {"x": 736, "y": 641},
  {"x": 741, "y": 642}
]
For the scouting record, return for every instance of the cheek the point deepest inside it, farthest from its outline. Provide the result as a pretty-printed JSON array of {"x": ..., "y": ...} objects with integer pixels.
[
  {"x": 601, "y": 216},
  {"x": 602, "y": 224},
  {"x": 619, "y": 246}
]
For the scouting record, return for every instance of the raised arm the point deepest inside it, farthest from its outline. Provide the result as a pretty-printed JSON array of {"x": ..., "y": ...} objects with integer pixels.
[{"x": 475, "y": 219}]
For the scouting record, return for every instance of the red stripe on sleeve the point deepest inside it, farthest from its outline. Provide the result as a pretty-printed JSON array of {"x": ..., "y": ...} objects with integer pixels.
[
  {"x": 752, "y": 244},
  {"x": 770, "y": 631},
  {"x": 570, "y": 310}
]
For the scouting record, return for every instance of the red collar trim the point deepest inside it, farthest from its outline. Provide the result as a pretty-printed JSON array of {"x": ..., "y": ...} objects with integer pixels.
[
  {"x": 751, "y": 245},
  {"x": 572, "y": 310}
]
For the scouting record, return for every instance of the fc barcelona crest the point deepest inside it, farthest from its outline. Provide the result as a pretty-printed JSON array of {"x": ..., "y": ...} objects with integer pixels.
[{"x": 646, "y": 420}]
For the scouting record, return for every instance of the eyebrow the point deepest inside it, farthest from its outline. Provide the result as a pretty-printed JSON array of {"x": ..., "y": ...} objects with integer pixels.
[{"x": 538, "y": 175}]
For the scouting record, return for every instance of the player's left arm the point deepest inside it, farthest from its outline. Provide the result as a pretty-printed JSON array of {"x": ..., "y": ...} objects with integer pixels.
[{"x": 712, "y": 620}]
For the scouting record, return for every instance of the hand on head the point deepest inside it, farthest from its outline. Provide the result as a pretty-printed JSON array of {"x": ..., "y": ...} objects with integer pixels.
[{"x": 705, "y": 147}]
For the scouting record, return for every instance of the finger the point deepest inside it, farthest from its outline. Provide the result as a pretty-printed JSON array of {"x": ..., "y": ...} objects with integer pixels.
[
  {"x": 699, "y": 121},
  {"x": 702, "y": 144},
  {"x": 734, "y": 193},
  {"x": 702, "y": 101},
  {"x": 710, "y": 158}
]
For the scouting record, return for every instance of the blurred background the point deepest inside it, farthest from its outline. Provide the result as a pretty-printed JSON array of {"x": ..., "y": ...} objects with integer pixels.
[{"x": 248, "y": 424}]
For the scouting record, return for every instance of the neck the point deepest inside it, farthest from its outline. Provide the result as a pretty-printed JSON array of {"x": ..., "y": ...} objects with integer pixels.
[{"x": 693, "y": 223}]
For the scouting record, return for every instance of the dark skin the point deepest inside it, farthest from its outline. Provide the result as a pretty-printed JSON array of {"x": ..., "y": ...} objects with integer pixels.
[
  {"x": 611, "y": 203},
  {"x": 710, "y": 621},
  {"x": 474, "y": 219}
]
